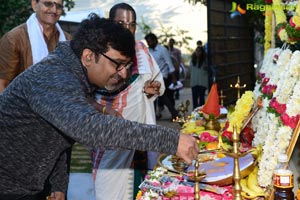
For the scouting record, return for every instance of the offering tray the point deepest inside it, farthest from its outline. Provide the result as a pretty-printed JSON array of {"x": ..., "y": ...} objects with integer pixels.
[{"x": 216, "y": 171}]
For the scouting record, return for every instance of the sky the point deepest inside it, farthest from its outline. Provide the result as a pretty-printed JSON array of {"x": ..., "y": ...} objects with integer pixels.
[{"x": 177, "y": 14}]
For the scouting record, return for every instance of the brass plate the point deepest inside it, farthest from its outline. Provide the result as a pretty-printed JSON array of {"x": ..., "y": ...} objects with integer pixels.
[{"x": 227, "y": 179}]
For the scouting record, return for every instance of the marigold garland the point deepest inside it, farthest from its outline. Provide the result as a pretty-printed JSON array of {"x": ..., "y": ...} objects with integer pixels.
[
  {"x": 241, "y": 111},
  {"x": 286, "y": 31},
  {"x": 268, "y": 30}
]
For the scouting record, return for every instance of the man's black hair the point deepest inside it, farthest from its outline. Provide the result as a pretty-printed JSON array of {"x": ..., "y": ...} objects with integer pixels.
[
  {"x": 152, "y": 37},
  {"x": 98, "y": 34},
  {"x": 124, "y": 6}
]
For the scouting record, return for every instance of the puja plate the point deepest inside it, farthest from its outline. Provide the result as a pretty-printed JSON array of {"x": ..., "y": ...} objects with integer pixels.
[{"x": 218, "y": 171}]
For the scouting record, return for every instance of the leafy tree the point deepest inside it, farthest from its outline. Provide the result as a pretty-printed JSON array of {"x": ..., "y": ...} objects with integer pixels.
[
  {"x": 181, "y": 37},
  {"x": 15, "y": 12},
  {"x": 196, "y": 1}
]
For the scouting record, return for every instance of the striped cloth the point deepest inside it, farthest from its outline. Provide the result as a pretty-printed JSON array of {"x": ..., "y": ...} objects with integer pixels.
[{"x": 114, "y": 179}]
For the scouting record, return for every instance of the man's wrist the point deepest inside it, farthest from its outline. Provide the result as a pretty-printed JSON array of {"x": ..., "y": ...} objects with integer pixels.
[{"x": 147, "y": 94}]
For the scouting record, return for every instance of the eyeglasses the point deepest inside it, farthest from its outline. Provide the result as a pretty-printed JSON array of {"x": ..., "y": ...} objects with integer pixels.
[
  {"x": 129, "y": 25},
  {"x": 50, "y": 4},
  {"x": 120, "y": 66}
]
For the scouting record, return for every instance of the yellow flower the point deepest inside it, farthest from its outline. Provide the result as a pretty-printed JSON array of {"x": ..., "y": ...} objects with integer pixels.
[
  {"x": 268, "y": 30},
  {"x": 279, "y": 13},
  {"x": 241, "y": 111},
  {"x": 139, "y": 195},
  {"x": 283, "y": 35}
]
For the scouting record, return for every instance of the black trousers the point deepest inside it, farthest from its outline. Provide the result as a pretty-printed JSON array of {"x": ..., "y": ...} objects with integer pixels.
[
  {"x": 198, "y": 95},
  {"x": 167, "y": 99}
]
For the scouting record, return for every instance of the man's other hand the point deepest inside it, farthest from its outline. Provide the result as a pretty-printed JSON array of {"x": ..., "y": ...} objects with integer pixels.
[{"x": 56, "y": 196}]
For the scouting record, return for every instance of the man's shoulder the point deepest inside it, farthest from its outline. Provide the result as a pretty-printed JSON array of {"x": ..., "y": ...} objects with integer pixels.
[
  {"x": 160, "y": 48},
  {"x": 18, "y": 31},
  {"x": 68, "y": 35},
  {"x": 177, "y": 50},
  {"x": 17, "y": 35}
]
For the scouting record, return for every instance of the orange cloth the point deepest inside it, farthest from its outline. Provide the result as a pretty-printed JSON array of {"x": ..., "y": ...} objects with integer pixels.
[{"x": 211, "y": 105}]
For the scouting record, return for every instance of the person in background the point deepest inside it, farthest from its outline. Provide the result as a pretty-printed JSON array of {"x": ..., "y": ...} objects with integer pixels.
[
  {"x": 175, "y": 54},
  {"x": 199, "y": 76},
  {"x": 199, "y": 43},
  {"x": 113, "y": 176},
  {"x": 45, "y": 109},
  {"x": 163, "y": 59},
  {"x": 30, "y": 42}
]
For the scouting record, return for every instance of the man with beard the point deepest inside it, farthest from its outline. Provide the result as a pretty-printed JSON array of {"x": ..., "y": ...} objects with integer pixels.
[
  {"x": 30, "y": 42},
  {"x": 46, "y": 109}
]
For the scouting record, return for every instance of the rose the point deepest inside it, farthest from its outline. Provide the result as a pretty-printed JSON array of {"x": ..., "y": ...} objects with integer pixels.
[
  {"x": 227, "y": 135},
  {"x": 290, "y": 121},
  {"x": 260, "y": 76},
  {"x": 295, "y": 22},
  {"x": 206, "y": 137},
  {"x": 280, "y": 108}
]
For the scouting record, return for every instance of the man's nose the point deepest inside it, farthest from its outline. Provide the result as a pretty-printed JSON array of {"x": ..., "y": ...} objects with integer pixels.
[{"x": 123, "y": 73}]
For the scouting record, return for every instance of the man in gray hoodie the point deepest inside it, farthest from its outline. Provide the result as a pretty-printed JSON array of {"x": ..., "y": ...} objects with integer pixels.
[{"x": 47, "y": 108}]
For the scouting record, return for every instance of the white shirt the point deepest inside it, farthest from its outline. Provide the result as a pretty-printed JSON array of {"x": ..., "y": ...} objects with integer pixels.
[{"x": 163, "y": 59}]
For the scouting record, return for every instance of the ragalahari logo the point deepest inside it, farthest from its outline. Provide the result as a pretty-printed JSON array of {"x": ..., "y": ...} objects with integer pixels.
[{"x": 236, "y": 10}]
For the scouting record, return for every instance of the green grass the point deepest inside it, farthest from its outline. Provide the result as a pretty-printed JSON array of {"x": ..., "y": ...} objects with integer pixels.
[{"x": 80, "y": 159}]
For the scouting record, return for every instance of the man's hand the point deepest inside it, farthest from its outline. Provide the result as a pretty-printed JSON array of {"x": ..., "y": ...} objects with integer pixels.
[
  {"x": 187, "y": 148},
  {"x": 56, "y": 196},
  {"x": 152, "y": 88}
]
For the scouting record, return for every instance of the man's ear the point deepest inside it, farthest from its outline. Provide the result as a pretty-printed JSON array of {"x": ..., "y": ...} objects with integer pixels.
[
  {"x": 87, "y": 57},
  {"x": 34, "y": 5}
]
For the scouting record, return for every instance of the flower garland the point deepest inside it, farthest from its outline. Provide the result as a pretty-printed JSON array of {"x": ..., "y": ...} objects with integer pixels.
[
  {"x": 152, "y": 177},
  {"x": 293, "y": 26},
  {"x": 276, "y": 143},
  {"x": 268, "y": 30},
  {"x": 293, "y": 106},
  {"x": 264, "y": 70},
  {"x": 287, "y": 31},
  {"x": 288, "y": 80},
  {"x": 241, "y": 111},
  {"x": 279, "y": 66},
  {"x": 261, "y": 122},
  {"x": 280, "y": 20},
  {"x": 278, "y": 115}
]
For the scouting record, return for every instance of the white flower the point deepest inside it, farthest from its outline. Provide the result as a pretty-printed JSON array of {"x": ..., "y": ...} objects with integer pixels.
[
  {"x": 288, "y": 80},
  {"x": 149, "y": 195},
  {"x": 293, "y": 105},
  {"x": 275, "y": 138},
  {"x": 280, "y": 67}
]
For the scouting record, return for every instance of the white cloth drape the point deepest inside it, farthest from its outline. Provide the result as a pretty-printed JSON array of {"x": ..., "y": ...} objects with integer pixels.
[
  {"x": 37, "y": 42},
  {"x": 113, "y": 177}
]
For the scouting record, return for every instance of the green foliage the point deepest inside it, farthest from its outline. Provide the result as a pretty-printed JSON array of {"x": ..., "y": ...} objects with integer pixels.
[
  {"x": 180, "y": 36},
  {"x": 15, "y": 12},
  {"x": 272, "y": 110},
  {"x": 256, "y": 19},
  {"x": 194, "y": 2},
  {"x": 211, "y": 117},
  {"x": 145, "y": 28}
]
